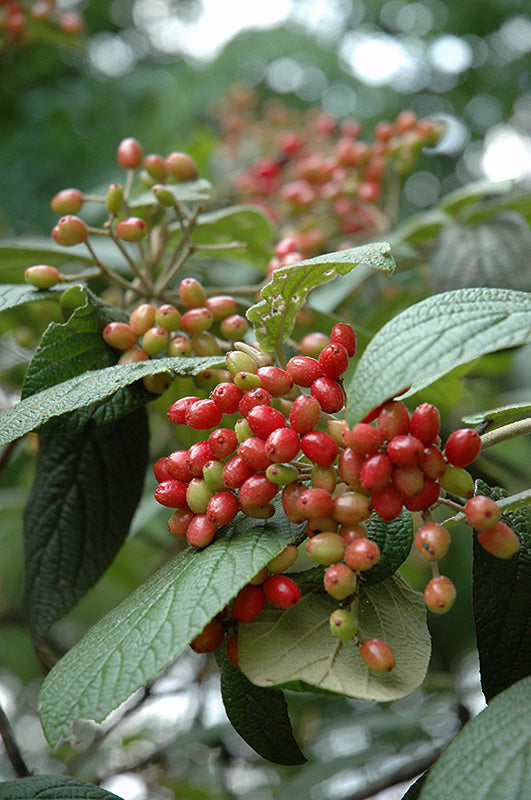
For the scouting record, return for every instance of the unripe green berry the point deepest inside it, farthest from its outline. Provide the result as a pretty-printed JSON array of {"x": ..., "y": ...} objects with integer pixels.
[
  {"x": 158, "y": 384},
  {"x": 168, "y": 317},
  {"x": 198, "y": 494},
  {"x": 179, "y": 346},
  {"x": 324, "y": 478},
  {"x": 154, "y": 340},
  {"x": 326, "y": 548},
  {"x": 155, "y": 166},
  {"x": 343, "y": 624},
  {"x": 67, "y": 201},
  {"x": 42, "y": 276},
  {"x": 240, "y": 362},
  {"x": 247, "y": 381},
  {"x": 234, "y": 327},
  {"x": 458, "y": 481},
  {"x": 243, "y": 431},
  {"x": 213, "y": 475},
  {"x": 281, "y": 474},
  {"x": 131, "y": 229},
  {"x": 284, "y": 560},
  {"x": 204, "y": 344},
  {"x": 339, "y": 581},
  {"x": 114, "y": 198},
  {"x": 163, "y": 195}
]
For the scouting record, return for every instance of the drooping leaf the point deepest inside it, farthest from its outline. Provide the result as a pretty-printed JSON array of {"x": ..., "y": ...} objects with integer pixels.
[
  {"x": 420, "y": 229},
  {"x": 274, "y": 316},
  {"x": 88, "y": 388},
  {"x": 53, "y": 787},
  {"x": 492, "y": 253},
  {"x": 287, "y": 648},
  {"x": 489, "y": 758},
  {"x": 461, "y": 198},
  {"x": 259, "y": 715},
  {"x": 394, "y": 540},
  {"x": 86, "y": 489},
  {"x": 502, "y": 605},
  {"x": 495, "y": 417},
  {"x": 13, "y": 295},
  {"x": 141, "y": 636},
  {"x": 432, "y": 337}
]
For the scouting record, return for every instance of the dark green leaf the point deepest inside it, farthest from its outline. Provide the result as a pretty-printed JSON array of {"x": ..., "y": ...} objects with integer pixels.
[
  {"x": 489, "y": 759},
  {"x": 245, "y": 224},
  {"x": 259, "y": 715},
  {"x": 283, "y": 648},
  {"x": 471, "y": 193},
  {"x": 86, "y": 489},
  {"x": 430, "y": 338},
  {"x": 88, "y": 388},
  {"x": 141, "y": 636},
  {"x": 17, "y": 254},
  {"x": 13, "y": 295},
  {"x": 493, "y": 253},
  {"x": 274, "y": 316},
  {"x": 502, "y": 605},
  {"x": 53, "y": 787},
  {"x": 394, "y": 540},
  {"x": 413, "y": 793},
  {"x": 420, "y": 229}
]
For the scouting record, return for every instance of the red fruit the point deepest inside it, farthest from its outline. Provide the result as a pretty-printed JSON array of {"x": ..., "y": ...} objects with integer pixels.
[
  {"x": 227, "y": 397},
  {"x": 482, "y": 512},
  {"x": 433, "y": 463},
  {"x": 349, "y": 467},
  {"x": 235, "y": 472},
  {"x": 176, "y": 465},
  {"x": 425, "y": 423},
  {"x": 222, "y": 508},
  {"x": 221, "y": 306},
  {"x": 304, "y": 414},
  {"x": 363, "y": 438},
  {"x": 290, "y": 497},
  {"x": 119, "y": 335},
  {"x": 154, "y": 164},
  {"x": 67, "y": 201},
  {"x": 439, "y": 594},
  {"x": 131, "y": 229},
  {"x": 432, "y": 541},
  {"x": 315, "y": 503},
  {"x": 405, "y": 451},
  {"x": 339, "y": 581},
  {"x": 361, "y": 554},
  {"x": 281, "y": 591},
  {"x": 333, "y": 360},
  {"x": 192, "y": 293},
  {"x": 179, "y": 522},
  {"x": 248, "y": 603},
  {"x": 129, "y": 153},
  {"x": 462, "y": 447},
  {"x": 329, "y": 394},
  {"x": 181, "y": 166},
  {"x": 196, "y": 320},
  {"x": 275, "y": 380},
  {"x": 319, "y": 447},
  {"x": 343, "y": 333},
  {"x": 161, "y": 474},
  {"x": 253, "y": 452},
  {"x": 351, "y": 508},
  {"x": 211, "y": 637},
  {"x": 255, "y": 397},
  {"x": 282, "y": 445},
  {"x": 256, "y": 491},
  {"x": 376, "y": 472},
  {"x": 177, "y": 411},
  {"x": 378, "y": 655},
  {"x": 234, "y": 327},
  {"x": 142, "y": 318},
  {"x": 312, "y": 344},
  {"x": 263, "y": 420},
  {"x": 232, "y": 650},
  {"x": 199, "y": 454},
  {"x": 222, "y": 442},
  {"x": 203, "y": 415},
  {"x": 201, "y": 531},
  {"x": 408, "y": 480},
  {"x": 393, "y": 419},
  {"x": 387, "y": 503},
  {"x": 500, "y": 540},
  {"x": 303, "y": 370},
  {"x": 70, "y": 230},
  {"x": 428, "y": 495},
  {"x": 171, "y": 494}
]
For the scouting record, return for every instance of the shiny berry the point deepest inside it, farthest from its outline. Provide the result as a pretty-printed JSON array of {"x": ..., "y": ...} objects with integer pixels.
[
  {"x": 131, "y": 229},
  {"x": 119, "y": 335},
  {"x": 281, "y": 591},
  {"x": 304, "y": 414},
  {"x": 425, "y": 423},
  {"x": 462, "y": 447},
  {"x": 282, "y": 444},
  {"x": 227, "y": 397},
  {"x": 343, "y": 624},
  {"x": 393, "y": 419},
  {"x": 363, "y": 438},
  {"x": 343, "y": 333},
  {"x": 177, "y": 411},
  {"x": 378, "y": 655},
  {"x": 263, "y": 420},
  {"x": 42, "y": 276},
  {"x": 248, "y": 603},
  {"x": 222, "y": 442},
  {"x": 387, "y": 502},
  {"x": 339, "y": 581},
  {"x": 333, "y": 360},
  {"x": 176, "y": 465},
  {"x": 482, "y": 512},
  {"x": 303, "y": 370},
  {"x": 211, "y": 637},
  {"x": 203, "y": 415},
  {"x": 129, "y": 153},
  {"x": 201, "y": 531},
  {"x": 329, "y": 394},
  {"x": 361, "y": 554},
  {"x": 499, "y": 540},
  {"x": 326, "y": 548},
  {"x": 376, "y": 472},
  {"x": 236, "y": 471},
  {"x": 439, "y": 594},
  {"x": 432, "y": 541},
  {"x": 319, "y": 447},
  {"x": 171, "y": 494}
]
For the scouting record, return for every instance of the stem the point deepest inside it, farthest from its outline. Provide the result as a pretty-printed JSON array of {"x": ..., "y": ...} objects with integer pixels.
[
  {"x": 444, "y": 501},
  {"x": 109, "y": 273},
  {"x": 506, "y": 504},
  {"x": 506, "y": 432},
  {"x": 12, "y": 750}
]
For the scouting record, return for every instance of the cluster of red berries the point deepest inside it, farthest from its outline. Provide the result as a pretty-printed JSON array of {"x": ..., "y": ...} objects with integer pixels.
[
  {"x": 320, "y": 169},
  {"x": 19, "y": 20}
]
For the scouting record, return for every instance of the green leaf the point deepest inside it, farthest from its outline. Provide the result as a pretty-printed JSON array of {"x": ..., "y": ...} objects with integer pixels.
[
  {"x": 197, "y": 191},
  {"x": 141, "y": 636},
  {"x": 420, "y": 229},
  {"x": 496, "y": 417},
  {"x": 430, "y": 338},
  {"x": 86, "y": 489},
  {"x": 489, "y": 758},
  {"x": 470, "y": 194},
  {"x": 502, "y": 605},
  {"x": 246, "y": 224},
  {"x": 274, "y": 316},
  {"x": 394, "y": 540},
  {"x": 259, "y": 715},
  {"x": 53, "y": 787},
  {"x": 90, "y": 387},
  {"x": 17, "y": 254},
  {"x": 283, "y": 648},
  {"x": 493, "y": 253},
  {"x": 413, "y": 793},
  {"x": 13, "y": 295}
]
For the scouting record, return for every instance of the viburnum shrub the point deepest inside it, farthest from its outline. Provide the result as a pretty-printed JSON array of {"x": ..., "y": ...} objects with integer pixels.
[{"x": 298, "y": 468}]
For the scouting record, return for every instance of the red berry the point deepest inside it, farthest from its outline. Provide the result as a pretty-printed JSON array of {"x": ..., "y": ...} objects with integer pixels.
[
  {"x": 393, "y": 419},
  {"x": 329, "y": 394},
  {"x": 255, "y": 492},
  {"x": 222, "y": 442},
  {"x": 361, "y": 554},
  {"x": 119, "y": 335},
  {"x": 363, "y": 438},
  {"x": 181, "y": 166},
  {"x": 312, "y": 344},
  {"x": 425, "y": 423},
  {"x": 439, "y": 594},
  {"x": 179, "y": 521},
  {"x": 199, "y": 454},
  {"x": 303, "y": 370},
  {"x": 248, "y": 603},
  {"x": 343, "y": 333},
  {"x": 378, "y": 655},
  {"x": 235, "y": 472},
  {"x": 281, "y": 591},
  {"x": 333, "y": 360},
  {"x": 176, "y": 465},
  {"x": 227, "y": 397},
  {"x": 221, "y": 306},
  {"x": 253, "y": 451},
  {"x": 177, "y": 411},
  {"x": 315, "y": 503},
  {"x": 290, "y": 497},
  {"x": 304, "y": 414},
  {"x": 282, "y": 444},
  {"x": 70, "y": 230},
  {"x": 263, "y": 420},
  {"x": 428, "y": 495},
  {"x": 319, "y": 447},
  {"x": 433, "y": 463},
  {"x": 339, "y": 581},
  {"x": 432, "y": 541},
  {"x": 171, "y": 494},
  {"x": 275, "y": 380},
  {"x": 192, "y": 293},
  {"x": 201, "y": 531},
  {"x": 222, "y": 508},
  {"x": 462, "y": 447},
  {"x": 406, "y": 451},
  {"x": 131, "y": 229},
  {"x": 500, "y": 540},
  {"x": 351, "y": 508},
  {"x": 211, "y": 637},
  {"x": 482, "y": 512},
  {"x": 349, "y": 467},
  {"x": 196, "y": 320},
  {"x": 387, "y": 503},
  {"x": 159, "y": 470},
  {"x": 67, "y": 201},
  {"x": 408, "y": 480},
  {"x": 256, "y": 397},
  {"x": 142, "y": 318},
  {"x": 154, "y": 164},
  {"x": 376, "y": 472},
  {"x": 129, "y": 153},
  {"x": 203, "y": 415}
]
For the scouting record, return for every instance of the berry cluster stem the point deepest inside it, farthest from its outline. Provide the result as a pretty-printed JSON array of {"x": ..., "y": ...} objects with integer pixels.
[{"x": 511, "y": 431}]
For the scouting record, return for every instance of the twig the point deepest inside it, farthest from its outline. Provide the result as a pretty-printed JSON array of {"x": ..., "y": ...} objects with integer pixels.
[
  {"x": 506, "y": 432},
  {"x": 12, "y": 750}
]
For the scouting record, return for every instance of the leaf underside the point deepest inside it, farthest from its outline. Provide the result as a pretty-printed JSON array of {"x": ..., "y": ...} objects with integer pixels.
[{"x": 53, "y": 787}]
